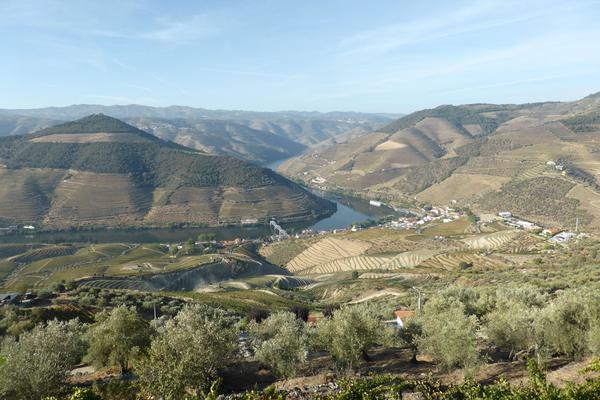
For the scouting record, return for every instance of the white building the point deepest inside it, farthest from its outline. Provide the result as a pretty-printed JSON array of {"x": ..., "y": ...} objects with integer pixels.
[{"x": 563, "y": 237}]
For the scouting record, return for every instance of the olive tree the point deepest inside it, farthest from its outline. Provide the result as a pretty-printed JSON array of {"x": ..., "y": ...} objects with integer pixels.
[
  {"x": 281, "y": 342},
  {"x": 350, "y": 333},
  {"x": 575, "y": 323},
  {"x": 409, "y": 336},
  {"x": 117, "y": 337},
  {"x": 186, "y": 353},
  {"x": 567, "y": 330},
  {"x": 566, "y": 325},
  {"x": 508, "y": 327},
  {"x": 38, "y": 364},
  {"x": 449, "y": 335}
]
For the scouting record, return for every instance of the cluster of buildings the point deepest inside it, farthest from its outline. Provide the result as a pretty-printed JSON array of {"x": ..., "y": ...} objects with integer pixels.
[
  {"x": 518, "y": 223},
  {"x": 556, "y": 166},
  {"x": 13, "y": 229},
  {"x": 319, "y": 183},
  {"x": 554, "y": 234},
  {"x": 16, "y": 298},
  {"x": 443, "y": 214}
]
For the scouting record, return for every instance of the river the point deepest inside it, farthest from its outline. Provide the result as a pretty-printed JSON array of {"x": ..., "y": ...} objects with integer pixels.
[{"x": 349, "y": 210}]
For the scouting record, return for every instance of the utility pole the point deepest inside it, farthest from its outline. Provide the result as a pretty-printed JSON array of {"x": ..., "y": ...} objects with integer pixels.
[
  {"x": 155, "y": 310},
  {"x": 418, "y": 297}
]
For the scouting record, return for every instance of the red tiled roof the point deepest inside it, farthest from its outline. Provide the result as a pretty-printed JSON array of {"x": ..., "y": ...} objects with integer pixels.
[{"x": 403, "y": 314}]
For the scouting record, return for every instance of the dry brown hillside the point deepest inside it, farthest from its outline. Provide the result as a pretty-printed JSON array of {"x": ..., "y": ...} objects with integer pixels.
[{"x": 538, "y": 160}]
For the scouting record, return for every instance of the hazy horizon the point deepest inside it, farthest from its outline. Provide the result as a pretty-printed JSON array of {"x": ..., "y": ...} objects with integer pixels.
[{"x": 315, "y": 56}]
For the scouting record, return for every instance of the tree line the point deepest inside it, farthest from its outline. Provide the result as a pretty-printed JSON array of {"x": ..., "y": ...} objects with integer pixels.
[{"x": 182, "y": 356}]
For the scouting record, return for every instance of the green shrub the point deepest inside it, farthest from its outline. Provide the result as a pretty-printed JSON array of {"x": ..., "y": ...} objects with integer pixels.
[
  {"x": 280, "y": 342},
  {"x": 449, "y": 335},
  {"x": 349, "y": 334},
  {"x": 187, "y": 352},
  {"x": 116, "y": 338}
]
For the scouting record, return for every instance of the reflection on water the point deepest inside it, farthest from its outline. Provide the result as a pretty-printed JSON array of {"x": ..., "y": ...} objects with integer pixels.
[
  {"x": 346, "y": 214},
  {"x": 343, "y": 217},
  {"x": 274, "y": 164}
]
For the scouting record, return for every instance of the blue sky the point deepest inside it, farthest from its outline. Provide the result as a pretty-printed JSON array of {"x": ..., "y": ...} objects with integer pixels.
[{"x": 373, "y": 56}]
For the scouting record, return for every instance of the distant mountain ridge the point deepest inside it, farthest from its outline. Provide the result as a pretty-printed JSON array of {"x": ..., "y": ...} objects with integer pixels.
[
  {"x": 135, "y": 110},
  {"x": 255, "y": 136},
  {"x": 99, "y": 171}
]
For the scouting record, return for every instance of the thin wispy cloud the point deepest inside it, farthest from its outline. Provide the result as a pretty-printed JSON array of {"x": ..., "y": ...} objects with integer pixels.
[
  {"x": 509, "y": 83},
  {"x": 397, "y": 35},
  {"x": 470, "y": 19},
  {"x": 529, "y": 56},
  {"x": 61, "y": 18},
  {"x": 167, "y": 30},
  {"x": 284, "y": 55}
]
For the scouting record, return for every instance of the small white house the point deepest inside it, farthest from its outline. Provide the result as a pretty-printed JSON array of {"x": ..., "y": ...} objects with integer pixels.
[
  {"x": 505, "y": 214},
  {"x": 375, "y": 203},
  {"x": 563, "y": 237}
]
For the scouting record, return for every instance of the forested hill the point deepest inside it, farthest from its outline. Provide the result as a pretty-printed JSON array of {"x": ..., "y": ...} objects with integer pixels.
[
  {"x": 57, "y": 173},
  {"x": 152, "y": 161}
]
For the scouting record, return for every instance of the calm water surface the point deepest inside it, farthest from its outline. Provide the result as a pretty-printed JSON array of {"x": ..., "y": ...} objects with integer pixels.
[{"x": 349, "y": 210}]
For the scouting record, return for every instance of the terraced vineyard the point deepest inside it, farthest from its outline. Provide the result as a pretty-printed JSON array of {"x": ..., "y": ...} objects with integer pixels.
[
  {"x": 409, "y": 259},
  {"x": 534, "y": 171},
  {"x": 491, "y": 241},
  {"x": 131, "y": 284},
  {"x": 326, "y": 250},
  {"x": 8, "y": 250},
  {"x": 23, "y": 193},
  {"x": 134, "y": 266},
  {"x": 451, "y": 261},
  {"x": 43, "y": 253},
  {"x": 6, "y": 267},
  {"x": 196, "y": 276},
  {"x": 89, "y": 197},
  {"x": 285, "y": 282},
  {"x": 384, "y": 250},
  {"x": 354, "y": 263},
  {"x": 282, "y": 253},
  {"x": 523, "y": 244}
]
